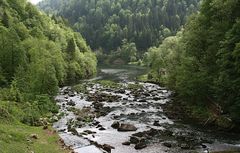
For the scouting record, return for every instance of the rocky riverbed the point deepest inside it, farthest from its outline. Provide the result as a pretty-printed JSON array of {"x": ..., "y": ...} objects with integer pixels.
[{"x": 127, "y": 117}]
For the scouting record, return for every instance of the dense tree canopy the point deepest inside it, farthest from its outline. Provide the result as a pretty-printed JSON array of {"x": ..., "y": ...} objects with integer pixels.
[
  {"x": 202, "y": 62},
  {"x": 106, "y": 23},
  {"x": 38, "y": 52},
  {"x": 37, "y": 55}
]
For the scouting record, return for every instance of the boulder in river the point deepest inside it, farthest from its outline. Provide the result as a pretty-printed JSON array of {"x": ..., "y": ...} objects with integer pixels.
[
  {"x": 71, "y": 103},
  {"x": 140, "y": 145},
  {"x": 107, "y": 148},
  {"x": 115, "y": 125},
  {"x": 167, "y": 144},
  {"x": 156, "y": 123},
  {"x": 127, "y": 143},
  {"x": 134, "y": 139},
  {"x": 126, "y": 127}
]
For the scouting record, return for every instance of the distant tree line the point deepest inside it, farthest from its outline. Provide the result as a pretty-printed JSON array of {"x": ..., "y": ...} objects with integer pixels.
[{"x": 106, "y": 23}]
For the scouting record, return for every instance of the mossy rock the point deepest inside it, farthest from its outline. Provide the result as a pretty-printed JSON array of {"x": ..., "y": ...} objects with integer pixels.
[
  {"x": 80, "y": 88},
  {"x": 109, "y": 84}
]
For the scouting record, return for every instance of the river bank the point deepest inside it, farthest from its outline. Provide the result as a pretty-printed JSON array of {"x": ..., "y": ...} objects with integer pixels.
[{"x": 16, "y": 137}]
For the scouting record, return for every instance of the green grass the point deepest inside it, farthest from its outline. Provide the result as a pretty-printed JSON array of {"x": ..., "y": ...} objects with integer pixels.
[
  {"x": 14, "y": 135},
  {"x": 143, "y": 78},
  {"x": 14, "y": 139}
]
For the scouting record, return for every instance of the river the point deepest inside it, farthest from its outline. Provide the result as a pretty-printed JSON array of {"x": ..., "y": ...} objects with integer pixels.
[{"x": 137, "y": 105}]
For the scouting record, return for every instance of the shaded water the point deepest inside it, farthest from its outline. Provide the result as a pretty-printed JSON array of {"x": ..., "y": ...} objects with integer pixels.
[{"x": 141, "y": 110}]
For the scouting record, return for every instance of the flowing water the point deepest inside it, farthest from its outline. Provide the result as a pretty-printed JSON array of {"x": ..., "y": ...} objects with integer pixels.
[{"x": 138, "y": 107}]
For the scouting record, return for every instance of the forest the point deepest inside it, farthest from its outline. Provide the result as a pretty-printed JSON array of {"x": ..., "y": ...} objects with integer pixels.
[
  {"x": 108, "y": 25},
  {"x": 202, "y": 61},
  {"x": 84, "y": 75},
  {"x": 37, "y": 55}
]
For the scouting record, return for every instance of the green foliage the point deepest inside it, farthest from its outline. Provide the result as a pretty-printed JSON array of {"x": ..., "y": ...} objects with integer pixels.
[
  {"x": 202, "y": 63},
  {"x": 37, "y": 54},
  {"x": 128, "y": 51},
  {"x": 106, "y": 23},
  {"x": 80, "y": 88},
  {"x": 13, "y": 137}
]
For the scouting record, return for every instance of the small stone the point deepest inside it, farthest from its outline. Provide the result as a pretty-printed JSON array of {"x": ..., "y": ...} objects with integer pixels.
[
  {"x": 127, "y": 143},
  {"x": 34, "y": 136},
  {"x": 167, "y": 144},
  {"x": 89, "y": 132},
  {"x": 156, "y": 123},
  {"x": 71, "y": 103},
  {"x": 107, "y": 148},
  {"x": 140, "y": 145},
  {"x": 74, "y": 131},
  {"x": 127, "y": 127},
  {"x": 102, "y": 129}
]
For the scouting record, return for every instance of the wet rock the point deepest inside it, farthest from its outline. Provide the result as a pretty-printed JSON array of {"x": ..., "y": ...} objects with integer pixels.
[
  {"x": 166, "y": 133},
  {"x": 204, "y": 146},
  {"x": 99, "y": 126},
  {"x": 115, "y": 125},
  {"x": 146, "y": 94},
  {"x": 97, "y": 105},
  {"x": 185, "y": 146},
  {"x": 140, "y": 134},
  {"x": 102, "y": 129},
  {"x": 107, "y": 148},
  {"x": 142, "y": 100},
  {"x": 71, "y": 94},
  {"x": 89, "y": 132},
  {"x": 152, "y": 132},
  {"x": 74, "y": 131},
  {"x": 127, "y": 143},
  {"x": 156, "y": 123},
  {"x": 140, "y": 145},
  {"x": 156, "y": 98},
  {"x": 127, "y": 127},
  {"x": 71, "y": 103},
  {"x": 116, "y": 116},
  {"x": 95, "y": 122},
  {"x": 167, "y": 144},
  {"x": 62, "y": 130},
  {"x": 134, "y": 139},
  {"x": 121, "y": 91}
]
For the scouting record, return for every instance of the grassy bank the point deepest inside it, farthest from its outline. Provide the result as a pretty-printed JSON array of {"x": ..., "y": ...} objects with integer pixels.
[{"x": 16, "y": 137}]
